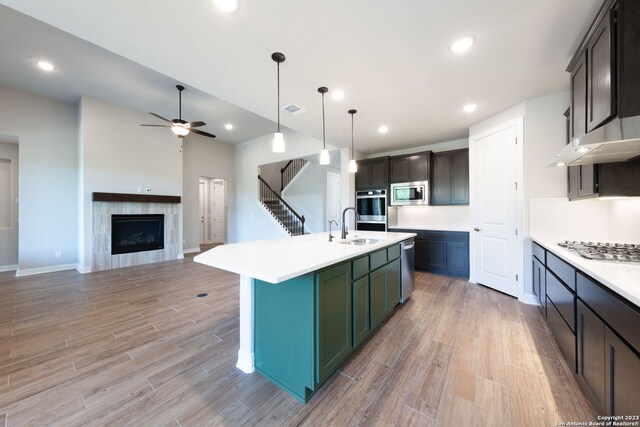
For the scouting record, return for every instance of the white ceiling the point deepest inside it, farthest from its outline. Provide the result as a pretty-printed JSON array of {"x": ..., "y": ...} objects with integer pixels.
[{"x": 390, "y": 58}]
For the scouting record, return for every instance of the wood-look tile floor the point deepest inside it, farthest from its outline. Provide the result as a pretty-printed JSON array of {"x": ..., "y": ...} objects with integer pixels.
[{"x": 135, "y": 347}]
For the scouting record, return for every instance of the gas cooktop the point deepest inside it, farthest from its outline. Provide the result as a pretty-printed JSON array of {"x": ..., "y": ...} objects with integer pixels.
[{"x": 621, "y": 252}]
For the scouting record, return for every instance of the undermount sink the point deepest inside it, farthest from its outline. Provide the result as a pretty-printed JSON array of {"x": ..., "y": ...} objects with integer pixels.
[{"x": 358, "y": 241}]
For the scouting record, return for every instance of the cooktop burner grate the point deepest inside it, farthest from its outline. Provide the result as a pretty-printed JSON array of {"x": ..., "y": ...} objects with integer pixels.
[{"x": 621, "y": 252}]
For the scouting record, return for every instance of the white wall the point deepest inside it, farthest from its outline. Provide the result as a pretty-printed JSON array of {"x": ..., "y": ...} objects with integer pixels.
[
  {"x": 202, "y": 157},
  {"x": 307, "y": 194},
  {"x": 48, "y": 133},
  {"x": 248, "y": 220},
  {"x": 118, "y": 156}
]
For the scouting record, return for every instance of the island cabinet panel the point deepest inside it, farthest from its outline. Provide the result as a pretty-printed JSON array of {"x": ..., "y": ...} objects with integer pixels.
[
  {"x": 379, "y": 301},
  {"x": 306, "y": 327},
  {"x": 284, "y": 347},
  {"x": 393, "y": 283},
  {"x": 361, "y": 315},
  {"x": 334, "y": 314}
]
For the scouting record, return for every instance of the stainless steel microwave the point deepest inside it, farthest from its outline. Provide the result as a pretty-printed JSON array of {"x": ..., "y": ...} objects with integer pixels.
[{"x": 410, "y": 193}]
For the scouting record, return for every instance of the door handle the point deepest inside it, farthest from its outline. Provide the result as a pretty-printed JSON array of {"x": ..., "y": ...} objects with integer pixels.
[{"x": 476, "y": 229}]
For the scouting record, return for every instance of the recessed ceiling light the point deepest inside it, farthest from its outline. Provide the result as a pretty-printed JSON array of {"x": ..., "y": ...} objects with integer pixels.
[
  {"x": 337, "y": 95},
  {"x": 560, "y": 164},
  {"x": 383, "y": 129},
  {"x": 583, "y": 149},
  {"x": 470, "y": 108},
  {"x": 462, "y": 44},
  {"x": 45, "y": 66},
  {"x": 228, "y": 6},
  {"x": 228, "y": 126}
]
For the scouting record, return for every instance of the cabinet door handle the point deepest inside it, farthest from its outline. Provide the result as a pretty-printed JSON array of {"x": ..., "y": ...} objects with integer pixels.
[{"x": 476, "y": 229}]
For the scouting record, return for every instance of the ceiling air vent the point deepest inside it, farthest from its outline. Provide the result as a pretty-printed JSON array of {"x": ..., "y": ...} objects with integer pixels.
[{"x": 294, "y": 109}]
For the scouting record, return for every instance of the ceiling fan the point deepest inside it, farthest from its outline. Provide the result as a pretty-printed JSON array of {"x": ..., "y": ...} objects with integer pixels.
[{"x": 181, "y": 127}]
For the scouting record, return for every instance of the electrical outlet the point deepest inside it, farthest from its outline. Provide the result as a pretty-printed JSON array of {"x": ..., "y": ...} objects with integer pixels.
[
  {"x": 139, "y": 189},
  {"x": 57, "y": 254}
]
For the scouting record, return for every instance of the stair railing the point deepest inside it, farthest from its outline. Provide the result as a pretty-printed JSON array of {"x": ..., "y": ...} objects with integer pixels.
[
  {"x": 288, "y": 217},
  {"x": 290, "y": 170}
]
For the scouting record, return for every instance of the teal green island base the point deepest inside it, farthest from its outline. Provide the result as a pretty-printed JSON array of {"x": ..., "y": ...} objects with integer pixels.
[{"x": 306, "y": 327}]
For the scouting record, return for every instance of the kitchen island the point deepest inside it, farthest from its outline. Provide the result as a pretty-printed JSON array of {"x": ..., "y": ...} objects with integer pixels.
[{"x": 307, "y": 303}]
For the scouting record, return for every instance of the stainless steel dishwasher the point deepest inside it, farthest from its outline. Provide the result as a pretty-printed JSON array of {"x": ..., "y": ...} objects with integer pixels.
[{"x": 408, "y": 268}]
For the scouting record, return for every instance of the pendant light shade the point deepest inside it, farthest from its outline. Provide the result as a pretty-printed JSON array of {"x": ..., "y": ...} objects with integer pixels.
[
  {"x": 353, "y": 166},
  {"x": 324, "y": 153},
  {"x": 278, "y": 138}
]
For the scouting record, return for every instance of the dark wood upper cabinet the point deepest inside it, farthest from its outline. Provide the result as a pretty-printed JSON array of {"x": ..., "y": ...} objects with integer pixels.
[
  {"x": 450, "y": 178},
  {"x": 579, "y": 98},
  {"x": 373, "y": 174},
  {"x": 605, "y": 70},
  {"x": 601, "y": 74},
  {"x": 410, "y": 168}
]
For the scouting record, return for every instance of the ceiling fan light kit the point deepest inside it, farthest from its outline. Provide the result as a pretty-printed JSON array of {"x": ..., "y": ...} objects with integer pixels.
[
  {"x": 179, "y": 127},
  {"x": 353, "y": 166},
  {"x": 278, "y": 139},
  {"x": 324, "y": 153}
]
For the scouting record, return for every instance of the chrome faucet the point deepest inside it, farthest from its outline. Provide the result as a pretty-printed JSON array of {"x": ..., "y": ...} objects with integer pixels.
[
  {"x": 336, "y": 223},
  {"x": 344, "y": 227}
]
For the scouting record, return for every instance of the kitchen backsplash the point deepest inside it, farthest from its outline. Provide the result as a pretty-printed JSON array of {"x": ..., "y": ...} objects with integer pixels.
[
  {"x": 557, "y": 219},
  {"x": 452, "y": 218}
]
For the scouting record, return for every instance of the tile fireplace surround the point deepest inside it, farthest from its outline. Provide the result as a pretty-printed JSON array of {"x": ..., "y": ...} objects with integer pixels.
[{"x": 107, "y": 204}]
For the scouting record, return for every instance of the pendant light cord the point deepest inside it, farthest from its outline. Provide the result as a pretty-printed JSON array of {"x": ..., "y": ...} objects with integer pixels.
[
  {"x": 278, "y": 96},
  {"x": 352, "y": 136},
  {"x": 323, "y": 138}
]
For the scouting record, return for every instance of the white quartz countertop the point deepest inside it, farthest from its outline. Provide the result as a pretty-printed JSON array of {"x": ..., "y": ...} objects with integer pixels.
[
  {"x": 278, "y": 260},
  {"x": 427, "y": 228},
  {"x": 621, "y": 277}
]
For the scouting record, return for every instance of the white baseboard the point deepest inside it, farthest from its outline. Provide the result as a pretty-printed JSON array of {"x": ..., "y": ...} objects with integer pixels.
[
  {"x": 41, "y": 270},
  {"x": 190, "y": 250},
  {"x": 8, "y": 267},
  {"x": 528, "y": 299},
  {"x": 83, "y": 270}
]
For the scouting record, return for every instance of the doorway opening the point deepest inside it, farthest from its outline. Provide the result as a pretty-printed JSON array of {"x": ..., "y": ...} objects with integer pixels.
[
  {"x": 213, "y": 211},
  {"x": 8, "y": 206}
]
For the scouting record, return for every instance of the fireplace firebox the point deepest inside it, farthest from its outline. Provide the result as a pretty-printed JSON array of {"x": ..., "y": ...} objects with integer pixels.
[{"x": 136, "y": 233}]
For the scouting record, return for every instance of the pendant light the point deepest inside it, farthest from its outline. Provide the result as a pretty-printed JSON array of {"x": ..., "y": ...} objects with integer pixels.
[
  {"x": 353, "y": 166},
  {"x": 324, "y": 153},
  {"x": 278, "y": 138}
]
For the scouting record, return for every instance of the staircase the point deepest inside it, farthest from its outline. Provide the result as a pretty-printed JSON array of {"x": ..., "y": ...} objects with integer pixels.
[
  {"x": 288, "y": 218},
  {"x": 290, "y": 170}
]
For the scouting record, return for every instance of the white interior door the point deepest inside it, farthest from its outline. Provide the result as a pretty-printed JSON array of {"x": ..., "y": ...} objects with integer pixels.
[
  {"x": 333, "y": 198},
  {"x": 495, "y": 218},
  {"x": 203, "y": 204},
  {"x": 218, "y": 211}
]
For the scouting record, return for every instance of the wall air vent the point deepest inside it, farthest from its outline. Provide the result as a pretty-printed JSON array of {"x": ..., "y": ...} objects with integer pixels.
[{"x": 294, "y": 109}]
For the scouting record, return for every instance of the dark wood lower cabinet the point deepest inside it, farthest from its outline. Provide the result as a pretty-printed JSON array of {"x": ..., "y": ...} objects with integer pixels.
[
  {"x": 608, "y": 369},
  {"x": 622, "y": 367},
  {"x": 591, "y": 358},
  {"x": 539, "y": 284}
]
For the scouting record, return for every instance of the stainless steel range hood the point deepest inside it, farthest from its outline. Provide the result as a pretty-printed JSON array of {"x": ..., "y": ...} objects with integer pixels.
[{"x": 617, "y": 141}]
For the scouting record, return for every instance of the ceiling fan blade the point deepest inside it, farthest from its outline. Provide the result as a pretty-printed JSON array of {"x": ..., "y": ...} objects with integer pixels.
[
  {"x": 196, "y": 124},
  {"x": 160, "y": 117},
  {"x": 203, "y": 133},
  {"x": 157, "y": 126}
]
